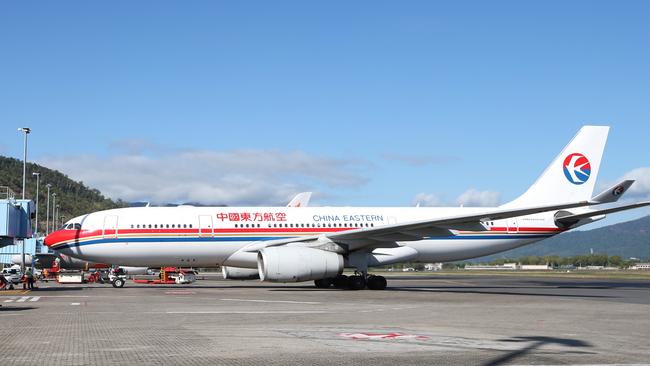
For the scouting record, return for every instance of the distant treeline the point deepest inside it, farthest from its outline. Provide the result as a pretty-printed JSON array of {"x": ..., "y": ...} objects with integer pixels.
[
  {"x": 552, "y": 260},
  {"x": 74, "y": 198},
  {"x": 577, "y": 261}
]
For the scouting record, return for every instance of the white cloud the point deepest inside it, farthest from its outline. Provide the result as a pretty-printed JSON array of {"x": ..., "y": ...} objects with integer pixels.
[
  {"x": 471, "y": 197},
  {"x": 427, "y": 199},
  {"x": 640, "y": 188},
  {"x": 240, "y": 177}
]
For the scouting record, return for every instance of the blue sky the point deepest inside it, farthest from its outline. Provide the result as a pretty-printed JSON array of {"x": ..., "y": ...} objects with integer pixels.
[{"x": 366, "y": 103}]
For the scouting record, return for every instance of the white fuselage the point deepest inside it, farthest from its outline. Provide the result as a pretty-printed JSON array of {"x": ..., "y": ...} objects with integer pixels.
[{"x": 209, "y": 236}]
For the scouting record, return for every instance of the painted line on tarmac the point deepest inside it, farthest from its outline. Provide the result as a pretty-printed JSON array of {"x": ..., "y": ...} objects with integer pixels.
[
  {"x": 275, "y": 301},
  {"x": 247, "y": 312},
  {"x": 595, "y": 364}
]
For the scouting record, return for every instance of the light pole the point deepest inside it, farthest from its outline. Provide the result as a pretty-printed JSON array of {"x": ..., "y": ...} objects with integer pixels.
[
  {"x": 54, "y": 211},
  {"x": 25, "y": 131},
  {"x": 56, "y": 216},
  {"x": 38, "y": 180},
  {"x": 47, "y": 209}
]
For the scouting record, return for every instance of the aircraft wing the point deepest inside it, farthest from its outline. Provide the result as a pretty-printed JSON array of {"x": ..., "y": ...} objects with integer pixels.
[
  {"x": 387, "y": 235},
  {"x": 572, "y": 219}
]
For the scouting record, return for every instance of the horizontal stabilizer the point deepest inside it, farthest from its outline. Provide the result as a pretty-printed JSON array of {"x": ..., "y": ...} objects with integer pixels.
[{"x": 613, "y": 193}]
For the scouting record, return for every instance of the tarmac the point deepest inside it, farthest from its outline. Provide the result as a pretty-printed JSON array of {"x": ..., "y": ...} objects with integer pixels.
[{"x": 418, "y": 320}]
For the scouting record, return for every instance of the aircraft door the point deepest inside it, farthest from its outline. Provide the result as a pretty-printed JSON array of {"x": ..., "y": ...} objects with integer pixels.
[
  {"x": 205, "y": 226},
  {"x": 513, "y": 226},
  {"x": 110, "y": 226}
]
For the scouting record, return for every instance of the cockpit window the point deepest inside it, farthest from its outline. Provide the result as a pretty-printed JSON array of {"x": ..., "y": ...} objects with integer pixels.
[{"x": 71, "y": 226}]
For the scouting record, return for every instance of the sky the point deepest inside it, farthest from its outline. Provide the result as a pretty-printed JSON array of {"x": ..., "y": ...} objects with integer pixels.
[{"x": 365, "y": 103}]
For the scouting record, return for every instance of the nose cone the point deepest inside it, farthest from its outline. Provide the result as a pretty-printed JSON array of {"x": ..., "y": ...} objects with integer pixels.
[
  {"x": 49, "y": 240},
  {"x": 55, "y": 238}
]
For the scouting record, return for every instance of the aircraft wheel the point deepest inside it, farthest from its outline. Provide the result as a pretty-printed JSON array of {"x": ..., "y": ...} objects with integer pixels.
[
  {"x": 341, "y": 281},
  {"x": 377, "y": 283},
  {"x": 323, "y": 283},
  {"x": 357, "y": 283},
  {"x": 118, "y": 283}
]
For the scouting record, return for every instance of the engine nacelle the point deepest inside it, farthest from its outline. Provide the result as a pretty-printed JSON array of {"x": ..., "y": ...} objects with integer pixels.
[
  {"x": 238, "y": 273},
  {"x": 297, "y": 264}
]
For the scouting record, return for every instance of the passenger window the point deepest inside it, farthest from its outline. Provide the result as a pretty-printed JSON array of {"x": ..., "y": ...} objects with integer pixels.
[
  {"x": 78, "y": 226},
  {"x": 184, "y": 226},
  {"x": 149, "y": 226}
]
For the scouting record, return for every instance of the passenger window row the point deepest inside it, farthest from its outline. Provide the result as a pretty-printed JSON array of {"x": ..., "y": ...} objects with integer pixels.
[
  {"x": 336, "y": 224},
  {"x": 162, "y": 226}
]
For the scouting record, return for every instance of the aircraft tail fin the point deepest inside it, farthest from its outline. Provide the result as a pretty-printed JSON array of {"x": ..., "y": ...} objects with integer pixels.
[
  {"x": 571, "y": 176},
  {"x": 300, "y": 200}
]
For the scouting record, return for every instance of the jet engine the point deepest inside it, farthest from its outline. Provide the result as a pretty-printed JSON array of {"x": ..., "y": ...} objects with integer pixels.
[
  {"x": 297, "y": 264},
  {"x": 238, "y": 273}
]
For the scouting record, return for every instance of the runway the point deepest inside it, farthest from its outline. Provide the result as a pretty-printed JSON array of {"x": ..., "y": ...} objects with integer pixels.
[{"x": 419, "y": 320}]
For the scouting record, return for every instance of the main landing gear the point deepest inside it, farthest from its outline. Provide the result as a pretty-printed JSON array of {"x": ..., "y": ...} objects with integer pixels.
[{"x": 359, "y": 281}]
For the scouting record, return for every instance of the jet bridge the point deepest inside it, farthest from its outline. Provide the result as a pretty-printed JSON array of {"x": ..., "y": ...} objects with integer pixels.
[{"x": 15, "y": 217}]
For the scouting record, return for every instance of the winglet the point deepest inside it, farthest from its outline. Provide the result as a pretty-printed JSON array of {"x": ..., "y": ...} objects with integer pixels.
[{"x": 613, "y": 193}]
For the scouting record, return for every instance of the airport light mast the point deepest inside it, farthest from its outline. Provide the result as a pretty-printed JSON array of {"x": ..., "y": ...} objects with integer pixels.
[
  {"x": 25, "y": 131},
  {"x": 47, "y": 209},
  {"x": 38, "y": 178},
  {"x": 54, "y": 211}
]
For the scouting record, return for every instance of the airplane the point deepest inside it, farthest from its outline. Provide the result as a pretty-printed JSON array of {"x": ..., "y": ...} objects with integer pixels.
[{"x": 291, "y": 244}]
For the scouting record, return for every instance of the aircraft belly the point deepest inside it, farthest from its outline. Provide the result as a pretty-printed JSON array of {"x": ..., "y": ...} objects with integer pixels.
[{"x": 446, "y": 250}]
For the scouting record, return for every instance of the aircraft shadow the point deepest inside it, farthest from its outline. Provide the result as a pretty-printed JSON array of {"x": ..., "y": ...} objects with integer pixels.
[{"x": 532, "y": 343}]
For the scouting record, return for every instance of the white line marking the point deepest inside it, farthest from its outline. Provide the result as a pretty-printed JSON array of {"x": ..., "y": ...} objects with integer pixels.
[
  {"x": 35, "y": 298},
  {"x": 9, "y": 300},
  {"x": 23, "y": 299},
  {"x": 75, "y": 303},
  {"x": 247, "y": 312},
  {"x": 275, "y": 301}
]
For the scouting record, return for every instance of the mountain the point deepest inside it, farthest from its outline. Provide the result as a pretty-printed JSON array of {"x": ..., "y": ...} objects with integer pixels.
[
  {"x": 626, "y": 239},
  {"x": 74, "y": 198}
]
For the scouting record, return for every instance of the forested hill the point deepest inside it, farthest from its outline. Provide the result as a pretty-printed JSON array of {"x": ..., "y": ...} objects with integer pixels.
[
  {"x": 626, "y": 239},
  {"x": 73, "y": 197}
]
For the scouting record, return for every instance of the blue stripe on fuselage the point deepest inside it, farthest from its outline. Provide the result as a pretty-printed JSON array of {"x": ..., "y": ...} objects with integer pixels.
[{"x": 265, "y": 238}]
